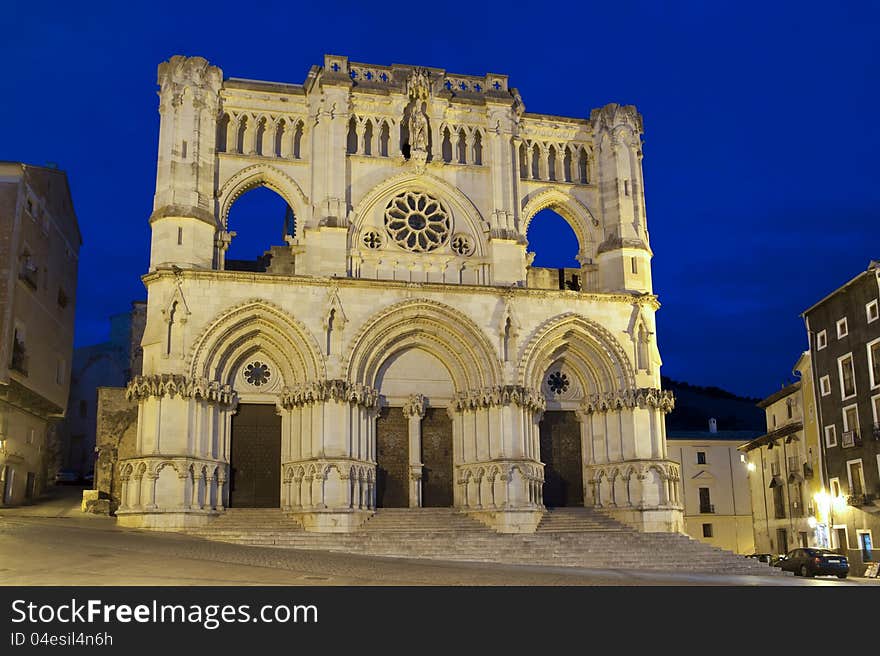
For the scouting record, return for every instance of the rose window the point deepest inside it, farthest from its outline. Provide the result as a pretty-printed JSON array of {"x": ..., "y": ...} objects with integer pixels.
[
  {"x": 462, "y": 245},
  {"x": 257, "y": 373},
  {"x": 558, "y": 382},
  {"x": 416, "y": 222}
]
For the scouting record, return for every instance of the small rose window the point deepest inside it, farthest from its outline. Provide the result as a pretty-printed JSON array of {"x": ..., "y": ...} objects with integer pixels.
[
  {"x": 558, "y": 382},
  {"x": 257, "y": 373}
]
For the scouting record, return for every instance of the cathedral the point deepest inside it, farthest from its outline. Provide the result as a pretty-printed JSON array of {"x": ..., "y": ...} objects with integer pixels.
[{"x": 399, "y": 350}]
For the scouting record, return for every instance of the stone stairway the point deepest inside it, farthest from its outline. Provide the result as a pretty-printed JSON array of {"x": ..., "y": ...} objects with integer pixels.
[{"x": 567, "y": 537}]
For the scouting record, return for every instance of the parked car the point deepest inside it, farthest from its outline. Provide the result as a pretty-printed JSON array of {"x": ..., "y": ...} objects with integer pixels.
[
  {"x": 65, "y": 476},
  {"x": 816, "y": 562}
]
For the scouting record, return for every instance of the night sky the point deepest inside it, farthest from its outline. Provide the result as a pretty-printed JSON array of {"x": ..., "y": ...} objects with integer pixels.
[{"x": 761, "y": 135}]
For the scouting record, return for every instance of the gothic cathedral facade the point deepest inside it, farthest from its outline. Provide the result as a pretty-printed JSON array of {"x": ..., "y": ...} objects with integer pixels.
[{"x": 399, "y": 350}]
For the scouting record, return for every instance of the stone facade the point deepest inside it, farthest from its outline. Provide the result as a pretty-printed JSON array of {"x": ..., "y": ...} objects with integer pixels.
[
  {"x": 404, "y": 290},
  {"x": 39, "y": 247},
  {"x": 715, "y": 486}
]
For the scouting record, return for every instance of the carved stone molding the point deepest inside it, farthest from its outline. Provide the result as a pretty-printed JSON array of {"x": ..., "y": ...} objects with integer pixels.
[
  {"x": 645, "y": 397},
  {"x": 499, "y": 395},
  {"x": 159, "y": 385},
  {"x": 329, "y": 390}
]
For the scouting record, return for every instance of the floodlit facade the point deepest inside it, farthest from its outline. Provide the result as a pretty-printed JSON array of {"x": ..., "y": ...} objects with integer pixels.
[
  {"x": 398, "y": 349},
  {"x": 39, "y": 250},
  {"x": 785, "y": 470},
  {"x": 715, "y": 486}
]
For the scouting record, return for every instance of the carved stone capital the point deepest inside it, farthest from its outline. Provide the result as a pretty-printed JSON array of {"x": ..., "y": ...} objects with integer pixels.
[
  {"x": 171, "y": 385},
  {"x": 645, "y": 397},
  {"x": 415, "y": 406},
  {"x": 329, "y": 390}
]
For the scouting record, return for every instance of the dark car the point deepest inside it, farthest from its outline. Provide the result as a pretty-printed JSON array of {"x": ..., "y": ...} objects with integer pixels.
[{"x": 815, "y": 562}]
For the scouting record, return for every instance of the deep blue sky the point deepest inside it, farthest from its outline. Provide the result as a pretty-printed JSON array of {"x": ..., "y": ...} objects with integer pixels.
[{"x": 761, "y": 133}]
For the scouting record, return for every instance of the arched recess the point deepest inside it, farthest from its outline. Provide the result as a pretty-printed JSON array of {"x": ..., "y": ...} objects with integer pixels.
[
  {"x": 603, "y": 365},
  {"x": 261, "y": 175},
  {"x": 577, "y": 215},
  {"x": 439, "y": 329},
  {"x": 465, "y": 215},
  {"x": 242, "y": 330}
]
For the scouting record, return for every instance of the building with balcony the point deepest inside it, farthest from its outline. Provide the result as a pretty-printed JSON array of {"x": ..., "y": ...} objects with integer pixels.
[
  {"x": 715, "y": 486},
  {"x": 398, "y": 348},
  {"x": 844, "y": 337},
  {"x": 784, "y": 467},
  {"x": 39, "y": 250}
]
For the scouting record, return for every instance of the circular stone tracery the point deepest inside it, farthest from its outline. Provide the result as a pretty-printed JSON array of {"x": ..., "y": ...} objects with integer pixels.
[
  {"x": 558, "y": 382},
  {"x": 257, "y": 373},
  {"x": 416, "y": 222}
]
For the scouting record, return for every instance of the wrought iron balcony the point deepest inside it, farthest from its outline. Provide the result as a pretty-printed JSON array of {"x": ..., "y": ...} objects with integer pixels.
[
  {"x": 850, "y": 439},
  {"x": 858, "y": 499},
  {"x": 707, "y": 508},
  {"x": 875, "y": 430},
  {"x": 808, "y": 471}
]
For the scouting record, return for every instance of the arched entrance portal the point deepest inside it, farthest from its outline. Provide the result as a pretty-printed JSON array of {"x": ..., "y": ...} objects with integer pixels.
[
  {"x": 255, "y": 457},
  {"x": 414, "y": 432}
]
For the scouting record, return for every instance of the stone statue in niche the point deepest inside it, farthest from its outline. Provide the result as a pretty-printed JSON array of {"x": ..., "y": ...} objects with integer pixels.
[{"x": 418, "y": 129}]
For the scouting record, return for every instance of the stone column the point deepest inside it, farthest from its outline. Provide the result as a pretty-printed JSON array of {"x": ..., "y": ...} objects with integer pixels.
[{"x": 414, "y": 411}]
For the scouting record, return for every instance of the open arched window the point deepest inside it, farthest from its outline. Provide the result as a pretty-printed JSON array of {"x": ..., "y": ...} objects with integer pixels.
[
  {"x": 555, "y": 247},
  {"x": 261, "y": 219}
]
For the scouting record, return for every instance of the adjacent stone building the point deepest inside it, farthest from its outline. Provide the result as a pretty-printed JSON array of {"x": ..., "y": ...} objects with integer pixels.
[
  {"x": 844, "y": 336},
  {"x": 715, "y": 486},
  {"x": 785, "y": 470},
  {"x": 39, "y": 248},
  {"x": 399, "y": 349},
  {"x": 109, "y": 364}
]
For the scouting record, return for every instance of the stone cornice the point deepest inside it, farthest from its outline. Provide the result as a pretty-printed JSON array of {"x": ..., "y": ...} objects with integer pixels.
[
  {"x": 645, "y": 397},
  {"x": 337, "y": 390},
  {"x": 614, "y": 243},
  {"x": 175, "y": 211},
  {"x": 159, "y": 385},
  {"x": 499, "y": 395},
  {"x": 385, "y": 285}
]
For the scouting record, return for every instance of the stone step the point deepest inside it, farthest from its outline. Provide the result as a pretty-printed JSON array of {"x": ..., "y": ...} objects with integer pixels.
[{"x": 571, "y": 537}]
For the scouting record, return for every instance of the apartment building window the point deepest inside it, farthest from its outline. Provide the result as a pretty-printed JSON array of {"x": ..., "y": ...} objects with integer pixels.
[
  {"x": 830, "y": 436},
  {"x": 19, "y": 358},
  {"x": 701, "y": 457},
  {"x": 28, "y": 271},
  {"x": 872, "y": 311},
  {"x": 821, "y": 340},
  {"x": 847, "y": 376},
  {"x": 788, "y": 407},
  {"x": 851, "y": 436},
  {"x": 874, "y": 362},
  {"x": 705, "y": 501},
  {"x": 834, "y": 485},
  {"x": 856, "y": 477},
  {"x": 60, "y": 371},
  {"x": 825, "y": 385},
  {"x": 842, "y": 328},
  {"x": 707, "y": 530},
  {"x": 778, "y": 503}
]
